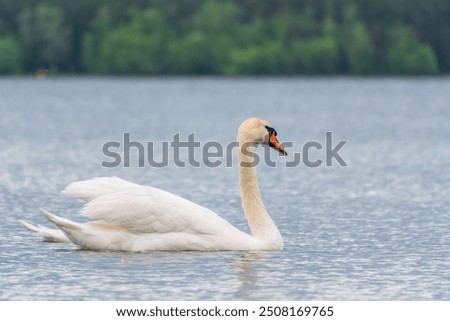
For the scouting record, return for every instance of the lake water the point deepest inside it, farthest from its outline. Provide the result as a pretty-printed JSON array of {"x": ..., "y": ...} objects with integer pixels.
[{"x": 377, "y": 229}]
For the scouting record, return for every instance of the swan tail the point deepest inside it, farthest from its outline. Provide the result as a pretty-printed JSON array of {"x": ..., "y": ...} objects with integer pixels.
[
  {"x": 62, "y": 223},
  {"x": 78, "y": 233},
  {"x": 48, "y": 234},
  {"x": 91, "y": 189}
]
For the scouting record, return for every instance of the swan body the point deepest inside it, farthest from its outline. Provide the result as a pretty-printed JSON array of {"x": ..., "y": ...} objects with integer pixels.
[{"x": 135, "y": 218}]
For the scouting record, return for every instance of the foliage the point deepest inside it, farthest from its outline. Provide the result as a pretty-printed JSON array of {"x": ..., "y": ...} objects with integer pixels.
[
  {"x": 132, "y": 48},
  {"x": 91, "y": 41},
  {"x": 406, "y": 55},
  {"x": 246, "y": 37},
  {"x": 10, "y": 55},
  {"x": 356, "y": 43},
  {"x": 256, "y": 60},
  {"x": 318, "y": 55},
  {"x": 44, "y": 36}
]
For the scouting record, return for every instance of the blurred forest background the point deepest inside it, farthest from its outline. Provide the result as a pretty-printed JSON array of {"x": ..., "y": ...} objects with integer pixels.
[{"x": 225, "y": 37}]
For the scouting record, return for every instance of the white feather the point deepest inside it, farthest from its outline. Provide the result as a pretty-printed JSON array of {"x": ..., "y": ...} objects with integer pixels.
[{"x": 48, "y": 234}]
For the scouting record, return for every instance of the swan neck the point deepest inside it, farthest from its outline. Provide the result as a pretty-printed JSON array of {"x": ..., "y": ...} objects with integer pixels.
[{"x": 261, "y": 225}]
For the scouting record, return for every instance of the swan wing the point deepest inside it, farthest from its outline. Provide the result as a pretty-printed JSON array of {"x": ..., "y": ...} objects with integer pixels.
[
  {"x": 145, "y": 209},
  {"x": 91, "y": 189}
]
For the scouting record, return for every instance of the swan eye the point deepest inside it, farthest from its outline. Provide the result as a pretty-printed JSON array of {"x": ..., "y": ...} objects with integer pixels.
[{"x": 271, "y": 131}]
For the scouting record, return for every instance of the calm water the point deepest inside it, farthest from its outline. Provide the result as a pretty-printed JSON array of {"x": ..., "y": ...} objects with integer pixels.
[{"x": 377, "y": 229}]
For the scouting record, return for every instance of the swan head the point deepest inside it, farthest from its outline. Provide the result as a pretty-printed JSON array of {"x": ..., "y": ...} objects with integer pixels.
[{"x": 259, "y": 131}]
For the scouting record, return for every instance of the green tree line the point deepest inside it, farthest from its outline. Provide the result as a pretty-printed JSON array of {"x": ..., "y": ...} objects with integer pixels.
[{"x": 225, "y": 37}]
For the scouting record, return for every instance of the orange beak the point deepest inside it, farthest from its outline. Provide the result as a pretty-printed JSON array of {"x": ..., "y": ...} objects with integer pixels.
[{"x": 275, "y": 144}]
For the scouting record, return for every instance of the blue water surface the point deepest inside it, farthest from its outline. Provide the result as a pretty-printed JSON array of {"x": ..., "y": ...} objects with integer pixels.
[{"x": 376, "y": 229}]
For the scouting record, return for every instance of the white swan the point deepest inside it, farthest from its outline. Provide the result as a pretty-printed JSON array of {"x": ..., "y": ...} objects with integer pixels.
[{"x": 135, "y": 218}]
